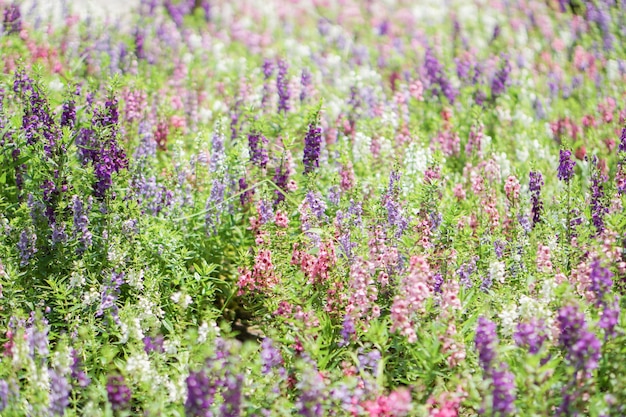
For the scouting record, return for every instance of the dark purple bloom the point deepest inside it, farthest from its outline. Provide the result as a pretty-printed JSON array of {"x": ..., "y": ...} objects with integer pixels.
[
  {"x": 281, "y": 178},
  {"x": 622, "y": 141},
  {"x": 598, "y": 205},
  {"x": 68, "y": 116},
  {"x": 500, "y": 79},
  {"x": 312, "y": 147},
  {"x": 12, "y": 19},
  {"x": 438, "y": 278},
  {"x": 583, "y": 348},
  {"x": 486, "y": 341},
  {"x": 59, "y": 393},
  {"x": 257, "y": 144},
  {"x": 465, "y": 271},
  {"x": 282, "y": 86},
  {"x": 531, "y": 334},
  {"x": 435, "y": 74},
  {"x": 534, "y": 186},
  {"x": 565, "y": 172},
  {"x": 200, "y": 394},
  {"x": 118, "y": 393}
]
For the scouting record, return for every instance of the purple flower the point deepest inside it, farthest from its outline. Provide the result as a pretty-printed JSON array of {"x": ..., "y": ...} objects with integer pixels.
[
  {"x": 153, "y": 344},
  {"x": 531, "y": 334},
  {"x": 435, "y": 74},
  {"x": 312, "y": 146},
  {"x": 622, "y": 141},
  {"x": 110, "y": 294},
  {"x": 498, "y": 84},
  {"x": 4, "y": 394},
  {"x": 200, "y": 394},
  {"x": 12, "y": 19},
  {"x": 258, "y": 149},
  {"x": 118, "y": 393},
  {"x": 59, "y": 393},
  {"x": 305, "y": 82},
  {"x": 78, "y": 374},
  {"x": 311, "y": 386},
  {"x": 81, "y": 223},
  {"x": 597, "y": 203},
  {"x": 270, "y": 356},
  {"x": 27, "y": 246},
  {"x": 534, "y": 186},
  {"x": 281, "y": 178},
  {"x": 214, "y": 205},
  {"x": 347, "y": 331},
  {"x": 282, "y": 86},
  {"x": 601, "y": 281},
  {"x": 231, "y": 407},
  {"x": 486, "y": 341},
  {"x": 609, "y": 317},
  {"x": 316, "y": 204},
  {"x": 565, "y": 172},
  {"x": 583, "y": 348},
  {"x": 503, "y": 391}
]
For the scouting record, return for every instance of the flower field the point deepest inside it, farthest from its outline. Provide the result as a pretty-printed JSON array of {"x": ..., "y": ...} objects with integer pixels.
[{"x": 319, "y": 208}]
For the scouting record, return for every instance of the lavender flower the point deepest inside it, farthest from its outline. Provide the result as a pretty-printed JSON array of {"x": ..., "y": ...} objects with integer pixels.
[
  {"x": 609, "y": 317},
  {"x": 282, "y": 85},
  {"x": 118, "y": 393},
  {"x": 312, "y": 146},
  {"x": 583, "y": 348},
  {"x": 81, "y": 221},
  {"x": 305, "y": 82},
  {"x": 78, "y": 374},
  {"x": 531, "y": 334},
  {"x": 231, "y": 407},
  {"x": 565, "y": 171},
  {"x": 601, "y": 281},
  {"x": 270, "y": 356},
  {"x": 311, "y": 386},
  {"x": 4, "y": 394},
  {"x": 59, "y": 393},
  {"x": 27, "y": 246},
  {"x": 486, "y": 341},
  {"x": 465, "y": 271},
  {"x": 347, "y": 331},
  {"x": 214, "y": 205},
  {"x": 535, "y": 184},
  {"x": 110, "y": 294},
  {"x": 503, "y": 391},
  {"x": 316, "y": 204},
  {"x": 200, "y": 394},
  {"x": 436, "y": 75}
]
